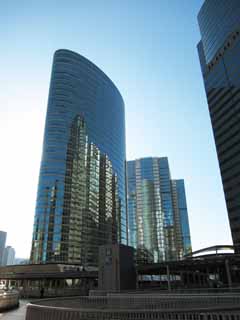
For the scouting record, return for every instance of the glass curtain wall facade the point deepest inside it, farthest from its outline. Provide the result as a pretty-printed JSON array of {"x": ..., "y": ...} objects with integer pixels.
[
  {"x": 81, "y": 199},
  {"x": 182, "y": 231},
  {"x": 219, "y": 52},
  {"x": 8, "y": 256},
  {"x": 3, "y": 237},
  {"x": 157, "y": 212}
]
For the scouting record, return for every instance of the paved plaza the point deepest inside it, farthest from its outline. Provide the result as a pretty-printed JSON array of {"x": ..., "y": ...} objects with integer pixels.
[{"x": 17, "y": 314}]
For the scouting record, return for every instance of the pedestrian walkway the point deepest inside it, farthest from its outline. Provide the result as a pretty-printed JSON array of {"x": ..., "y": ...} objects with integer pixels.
[{"x": 17, "y": 314}]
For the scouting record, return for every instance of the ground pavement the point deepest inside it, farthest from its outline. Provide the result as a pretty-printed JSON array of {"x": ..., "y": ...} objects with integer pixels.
[{"x": 16, "y": 314}]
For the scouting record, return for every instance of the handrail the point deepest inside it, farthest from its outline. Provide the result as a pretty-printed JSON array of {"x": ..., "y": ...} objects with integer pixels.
[
  {"x": 37, "y": 312},
  {"x": 143, "y": 302}
]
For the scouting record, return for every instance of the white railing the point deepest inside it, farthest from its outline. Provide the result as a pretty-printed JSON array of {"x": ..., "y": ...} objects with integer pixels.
[
  {"x": 35, "y": 312},
  {"x": 135, "y": 307},
  {"x": 149, "y": 302}
]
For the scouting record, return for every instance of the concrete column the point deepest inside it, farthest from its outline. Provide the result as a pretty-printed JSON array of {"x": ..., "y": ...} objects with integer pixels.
[
  {"x": 229, "y": 279},
  {"x": 198, "y": 279},
  {"x": 181, "y": 279},
  {"x": 189, "y": 279},
  {"x": 137, "y": 281},
  {"x": 202, "y": 279},
  {"x": 195, "y": 279},
  {"x": 168, "y": 278},
  {"x": 207, "y": 276}
]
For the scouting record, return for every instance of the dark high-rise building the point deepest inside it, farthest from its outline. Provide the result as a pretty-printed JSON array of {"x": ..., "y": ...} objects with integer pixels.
[
  {"x": 3, "y": 237},
  {"x": 157, "y": 211},
  {"x": 81, "y": 200},
  {"x": 219, "y": 52}
]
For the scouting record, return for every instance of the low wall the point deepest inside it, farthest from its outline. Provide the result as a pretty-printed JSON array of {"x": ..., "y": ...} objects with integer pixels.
[
  {"x": 8, "y": 300},
  {"x": 51, "y": 292},
  {"x": 134, "y": 307},
  {"x": 119, "y": 301},
  {"x": 158, "y": 291}
]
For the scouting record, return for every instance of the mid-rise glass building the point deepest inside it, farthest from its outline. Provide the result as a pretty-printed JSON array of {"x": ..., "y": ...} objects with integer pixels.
[
  {"x": 81, "y": 199},
  {"x": 182, "y": 231},
  {"x": 3, "y": 237},
  {"x": 8, "y": 256},
  {"x": 157, "y": 211},
  {"x": 219, "y": 52}
]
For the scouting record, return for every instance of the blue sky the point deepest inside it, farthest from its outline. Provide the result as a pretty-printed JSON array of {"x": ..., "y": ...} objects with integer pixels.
[{"x": 148, "y": 49}]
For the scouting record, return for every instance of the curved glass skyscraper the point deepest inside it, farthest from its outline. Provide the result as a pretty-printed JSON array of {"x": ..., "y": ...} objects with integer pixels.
[{"x": 81, "y": 200}]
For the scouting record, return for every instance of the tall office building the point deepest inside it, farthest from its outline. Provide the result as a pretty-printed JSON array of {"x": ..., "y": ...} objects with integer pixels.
[
  {"x": 8, "y": 256},
  {"x": 81, "y": 200},
  {"x": 3, "y": 237},
  {"x": 182, "y": 230},
  {"x": 219, "y": 52},
  {"x": 157, "y": 211}
]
